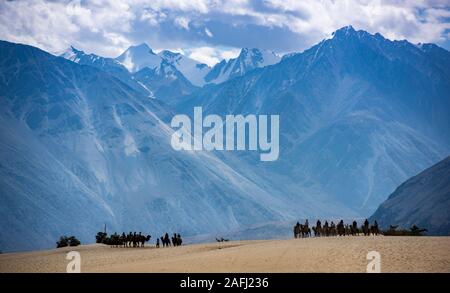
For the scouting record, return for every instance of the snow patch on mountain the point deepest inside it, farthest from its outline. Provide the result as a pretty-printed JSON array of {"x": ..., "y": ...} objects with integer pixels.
[
  {"x": 247, "y": 60},
  {"x": 194, "y": 71},
  {"x": 138, "y": 57}
]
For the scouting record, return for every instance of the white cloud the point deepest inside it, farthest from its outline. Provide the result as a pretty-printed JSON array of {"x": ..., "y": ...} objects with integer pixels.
[
  {"x": 212, "y": 55},
  {"x": 175, "y": 50},
  {"x": 53, "y": 26},
  {"x": 229, "y": 53},
  {"x": 200, "y": 6},
  {"x": 107, "y": 27},
  {"x": 208, "y": 32},
  {"x": 416, "y": 20},
  {"x": 152, "y": 17},
  {"x": 182, "y": 22},
  {"x": 207, "y": 55}
]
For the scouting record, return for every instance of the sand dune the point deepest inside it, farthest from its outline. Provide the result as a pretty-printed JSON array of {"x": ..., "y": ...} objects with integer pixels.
[{"x": 334, "y": 254}]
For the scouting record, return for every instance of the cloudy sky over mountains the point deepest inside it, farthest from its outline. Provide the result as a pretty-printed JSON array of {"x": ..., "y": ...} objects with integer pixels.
[{"x": 210, "y": 30}]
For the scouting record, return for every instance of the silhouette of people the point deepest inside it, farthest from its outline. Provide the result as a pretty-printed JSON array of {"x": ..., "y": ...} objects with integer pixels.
[
  {"x": 366, "y": 228},
  {"x": 174, "y": 240},
  {"x": 375, "y": 228},
  {"x": 332, "y": 229}
]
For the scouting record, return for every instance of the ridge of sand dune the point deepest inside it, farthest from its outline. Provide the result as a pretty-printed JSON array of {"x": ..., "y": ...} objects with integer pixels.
[{"x": 332, "y": 254}]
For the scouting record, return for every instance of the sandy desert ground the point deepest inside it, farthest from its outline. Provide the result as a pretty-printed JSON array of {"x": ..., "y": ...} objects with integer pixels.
[{"x": 333, "y": 254}]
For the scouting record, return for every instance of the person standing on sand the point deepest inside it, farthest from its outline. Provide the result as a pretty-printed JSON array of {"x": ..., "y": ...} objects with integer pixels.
[
  {"x": 167, "y": 239},
  {"x": 366, "y": 228},
  {"x": 375, "y": 228},
  {"x": 325, "y": 228},
  {"x": 174, "y": 239}
]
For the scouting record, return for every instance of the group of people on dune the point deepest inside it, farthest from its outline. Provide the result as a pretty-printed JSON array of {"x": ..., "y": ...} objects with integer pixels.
[
  {"x": 166, "y": 241},
  {"x": 331, "y": 229},
  {"x": 125, "y": 240},
  {"x": 134, "y": 239}
]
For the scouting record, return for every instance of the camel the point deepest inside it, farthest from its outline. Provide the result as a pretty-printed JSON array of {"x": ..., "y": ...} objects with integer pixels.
[
  {"x": 144, "y": 239},
  {"x": 340, "y": 228},
  {"x": 354, "y": 229},
  {"x": 302, "y": 230},
  {"x": 222, "y": 239},
  {"x": 297, "y": 230},
  {"x": 365, "y": 228},
  {"x": 416, "y": 231}
]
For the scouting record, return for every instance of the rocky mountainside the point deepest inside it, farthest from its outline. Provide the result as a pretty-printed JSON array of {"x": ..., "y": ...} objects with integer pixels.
[{"x": 423, "y": 200}]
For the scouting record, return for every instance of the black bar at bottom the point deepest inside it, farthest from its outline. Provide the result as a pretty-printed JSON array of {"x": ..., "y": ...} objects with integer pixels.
[{"x": 222, "y": 282}]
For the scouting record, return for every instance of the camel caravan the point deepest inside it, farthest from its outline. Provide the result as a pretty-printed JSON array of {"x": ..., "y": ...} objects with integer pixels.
[
  {"x": 332, "y": 229},
  {"x": 133, "y": 239},
  {"x": 165, "y": 240}
]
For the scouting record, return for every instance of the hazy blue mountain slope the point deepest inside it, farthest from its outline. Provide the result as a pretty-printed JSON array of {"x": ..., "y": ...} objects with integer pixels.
[
  {"x": 40, "y": 197},
  {"x": 359, "y": 114},
  {"x": 109, "y": 65},
  {"x": 423, "y": 200},
  {"x": 81, "y": 148},
  {"x": 164, "y": 81}
]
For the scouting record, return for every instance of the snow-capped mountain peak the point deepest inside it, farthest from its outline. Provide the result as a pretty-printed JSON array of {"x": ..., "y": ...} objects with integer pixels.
[
  {"x": 258, "y": 58},
  {"x": 247, "y": 60},
  {"x": 71, "y": 53},
  {"x": 170, "y": 56},
  {"x": 137, "y": 57},
  {"x": 193, "y": 70},
  {"x": 75, "y": 55}
]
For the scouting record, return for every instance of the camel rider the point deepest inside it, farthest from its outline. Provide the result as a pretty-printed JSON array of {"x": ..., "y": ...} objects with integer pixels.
[{"x": 366, "y": 223}]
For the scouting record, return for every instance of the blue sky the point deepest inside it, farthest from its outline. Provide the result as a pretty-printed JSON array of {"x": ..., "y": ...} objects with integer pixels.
[{"x": 210, "y": 30}]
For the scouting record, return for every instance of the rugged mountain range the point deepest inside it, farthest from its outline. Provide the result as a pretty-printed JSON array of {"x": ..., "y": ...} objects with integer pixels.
[
  {"x": 185, "y": 73},
  {"x": 359, "y": 113},
  {"x": 142, "y": 69},
  {"x": 81, "y": 148},
  {"x": 86, "y": 141},
  {"x": 423, "y": 200},
  {"x": 247, "y": 60}
]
